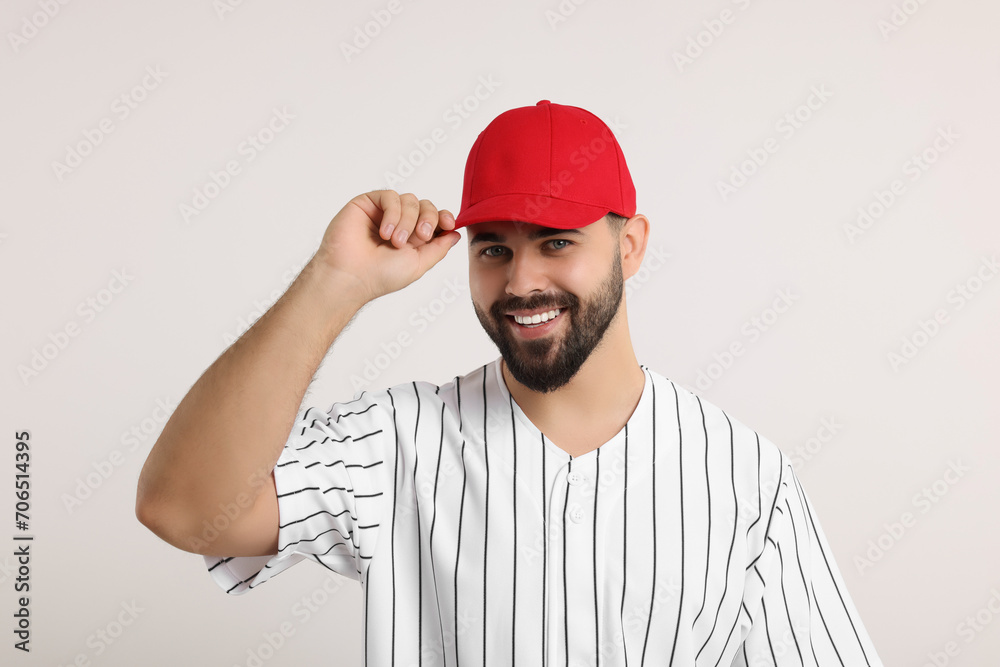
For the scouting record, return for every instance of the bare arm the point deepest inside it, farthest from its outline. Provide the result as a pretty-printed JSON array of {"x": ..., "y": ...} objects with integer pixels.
[{"x": 216, "y": 455}]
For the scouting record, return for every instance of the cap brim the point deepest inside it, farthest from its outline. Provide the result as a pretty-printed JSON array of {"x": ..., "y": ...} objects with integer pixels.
[{"x": 534, "y": 209}]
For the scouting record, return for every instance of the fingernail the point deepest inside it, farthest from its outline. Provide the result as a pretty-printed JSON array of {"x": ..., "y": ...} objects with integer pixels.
[
  {"x": 388, "y": 230},
  {"x": 425, "y": 229}
]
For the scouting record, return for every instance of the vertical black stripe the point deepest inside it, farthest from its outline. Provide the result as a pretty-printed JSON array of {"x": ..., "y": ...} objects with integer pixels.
[
  {"x": 430, "y": 544},
  {"x": 624, "y": 544},
  {"x": 652, "y": 481},
  {"x": 367, "y": 634},
  {"x": 808, "y": 512},
  {"x": 420, "y": 553},
  {"x": 774, "y": 503},
  {"x": 565, "y": 582},
  {"x": 788, "y": 613},
  {"x": 461, "y": 511},
  {"x": 545, "y": 550},
  {"x": 597, "y": 611},
  {"x": 392, "y": 531},
  {"x": 767, "y": 631},
  {"x": 513, "y": 493},
  {"x": 732, "y": 542},
  {"x": 760, "y": 483},
  {"x": 798, "y": 556},
  {"x": 833, "y": 643},
  {"x": 680, "y": 472},
  {"x": 486, "y": 512},
  {"x": 708, "y": 491}
]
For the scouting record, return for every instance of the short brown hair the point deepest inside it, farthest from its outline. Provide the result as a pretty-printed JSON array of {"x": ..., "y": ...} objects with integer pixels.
[{"x": 616, "y": 222}]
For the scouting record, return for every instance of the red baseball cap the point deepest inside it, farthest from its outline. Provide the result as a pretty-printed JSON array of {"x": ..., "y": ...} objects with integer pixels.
[{"x": 549, "y": 164}]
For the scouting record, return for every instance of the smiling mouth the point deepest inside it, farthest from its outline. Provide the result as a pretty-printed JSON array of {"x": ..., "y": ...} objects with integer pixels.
[{"x": 539, "y": 324}]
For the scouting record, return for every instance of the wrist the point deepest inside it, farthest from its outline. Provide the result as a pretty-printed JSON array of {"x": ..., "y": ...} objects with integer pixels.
[{"x": 332, "y": 285}]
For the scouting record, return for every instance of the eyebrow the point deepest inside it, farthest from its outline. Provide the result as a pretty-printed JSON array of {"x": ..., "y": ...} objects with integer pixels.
[{"x": 541, "y": 233}]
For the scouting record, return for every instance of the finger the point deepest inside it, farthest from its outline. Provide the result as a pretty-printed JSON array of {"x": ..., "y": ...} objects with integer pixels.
[
  {"x": 433, "y": 251},
  {"x": 446, "y": 219},
  {"x": 383, "y": 207},
  {"x": 409, "y": 210},
  {"x": 427, "y": 220}
]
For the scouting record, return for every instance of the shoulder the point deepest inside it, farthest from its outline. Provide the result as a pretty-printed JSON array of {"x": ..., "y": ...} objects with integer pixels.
[
  {"x": 407, "y": 401},
  {"x": 701, "y": 422}
]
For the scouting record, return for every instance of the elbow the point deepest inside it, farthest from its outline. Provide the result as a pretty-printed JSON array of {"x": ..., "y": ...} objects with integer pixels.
[
  {"x": 170, "y": 528},
  {"x": 165, "y": 521}
]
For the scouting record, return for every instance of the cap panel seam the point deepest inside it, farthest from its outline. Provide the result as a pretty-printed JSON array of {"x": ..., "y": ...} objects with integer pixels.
[{"x": 552, "y": 153}]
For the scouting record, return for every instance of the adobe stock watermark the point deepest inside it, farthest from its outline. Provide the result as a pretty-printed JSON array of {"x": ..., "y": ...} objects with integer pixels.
[
  {"x": 650, "y": 265},
  {"x": 967, "y": 630},
  {"x": 225, "y": 7},
  {"x": 562, "y": 12},
  {"x": 248, "y": 150},
  {"x": 752, "y": 329},
  {"x": 433, "y": 652},
  {"x": 927, "y": 329},
  {"x": 301, "y": 610},
  {"x": 366, "y": 33},
  {"x": 713, "y": 28},
  {"x": 636, "y": 619},
  {"x": 107, "y": 634},
  {"x": 749, "y": 510},
  {"x": 31, "y": 25},
  {"x": 913, "y": 168},
  {"x": 924, "y": 501},
  {"x": 808, "y": 450},
  {"x": 59, "y": 340},
  {"x": 419, "y": 321},
  {"x": 581, "y": 158},
  {"x": 786, "y": 126},
  {"x": 8, "y": 568},
  {"x": 780, "y": 646},
  {"x": 497, "y": 420},
  {"x": 229, "y": 512},
  {"x": 102, "y": 470},
  {"x": 453, "y": 116},
  {"x": 899, "y": 16},
  {"x": 260, "y": 307},
  {"x": 121, "y": 108}
]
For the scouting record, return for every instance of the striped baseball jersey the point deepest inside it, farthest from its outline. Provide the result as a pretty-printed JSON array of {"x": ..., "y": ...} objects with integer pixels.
[{"x": 686, "y": 539}]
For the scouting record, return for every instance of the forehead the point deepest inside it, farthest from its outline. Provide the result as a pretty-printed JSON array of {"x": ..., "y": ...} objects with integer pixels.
[{"x": 501, "y": 230}]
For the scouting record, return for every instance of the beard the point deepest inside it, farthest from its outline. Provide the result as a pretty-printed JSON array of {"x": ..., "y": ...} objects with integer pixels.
[{"x": 548, "y": 363}]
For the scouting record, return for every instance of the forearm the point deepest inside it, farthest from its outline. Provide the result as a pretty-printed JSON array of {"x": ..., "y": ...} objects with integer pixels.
[{"x": 225, "y": 436}]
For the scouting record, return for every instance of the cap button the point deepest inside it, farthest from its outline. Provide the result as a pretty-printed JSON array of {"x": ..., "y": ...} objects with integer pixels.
[{"x": 540, "y": 103}]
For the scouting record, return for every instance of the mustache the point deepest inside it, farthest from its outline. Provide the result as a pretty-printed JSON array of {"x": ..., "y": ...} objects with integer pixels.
[{"x": 502, "y": 308}]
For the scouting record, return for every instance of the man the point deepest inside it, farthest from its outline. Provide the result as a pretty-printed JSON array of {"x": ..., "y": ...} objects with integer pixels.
[{"x": 560, "y": 505}]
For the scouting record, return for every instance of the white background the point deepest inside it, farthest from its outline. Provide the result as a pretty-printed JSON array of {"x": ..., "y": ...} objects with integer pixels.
[{"x": 889, "y": 90}]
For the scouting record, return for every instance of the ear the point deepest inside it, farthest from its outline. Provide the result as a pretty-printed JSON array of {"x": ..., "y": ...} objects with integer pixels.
[{"x": 632, "y": 240}]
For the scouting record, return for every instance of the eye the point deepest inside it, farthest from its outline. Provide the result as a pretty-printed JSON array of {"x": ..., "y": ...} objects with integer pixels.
[{"x": 485, "y": 252}]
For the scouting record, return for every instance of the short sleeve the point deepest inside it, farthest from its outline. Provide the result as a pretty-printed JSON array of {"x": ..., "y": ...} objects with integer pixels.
[
  {"x": 802, "y": 613},
  {"x": 332, "y": 479}
]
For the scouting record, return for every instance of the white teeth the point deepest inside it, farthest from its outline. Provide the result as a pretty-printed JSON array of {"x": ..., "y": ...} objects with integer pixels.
[{"x": 536, "y": 319}]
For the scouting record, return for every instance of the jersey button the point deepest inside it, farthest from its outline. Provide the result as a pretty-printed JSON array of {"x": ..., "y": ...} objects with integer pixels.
[
  {"x": 574, "y": 478},
  {"x": 576, "y": 516}
]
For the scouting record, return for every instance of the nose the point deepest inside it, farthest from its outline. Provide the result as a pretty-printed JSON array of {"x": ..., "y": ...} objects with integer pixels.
[{"x": 526, "y": 274}]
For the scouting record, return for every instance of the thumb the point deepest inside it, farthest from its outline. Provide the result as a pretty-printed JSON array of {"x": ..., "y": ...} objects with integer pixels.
[{"x": 434, "y": 250}]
